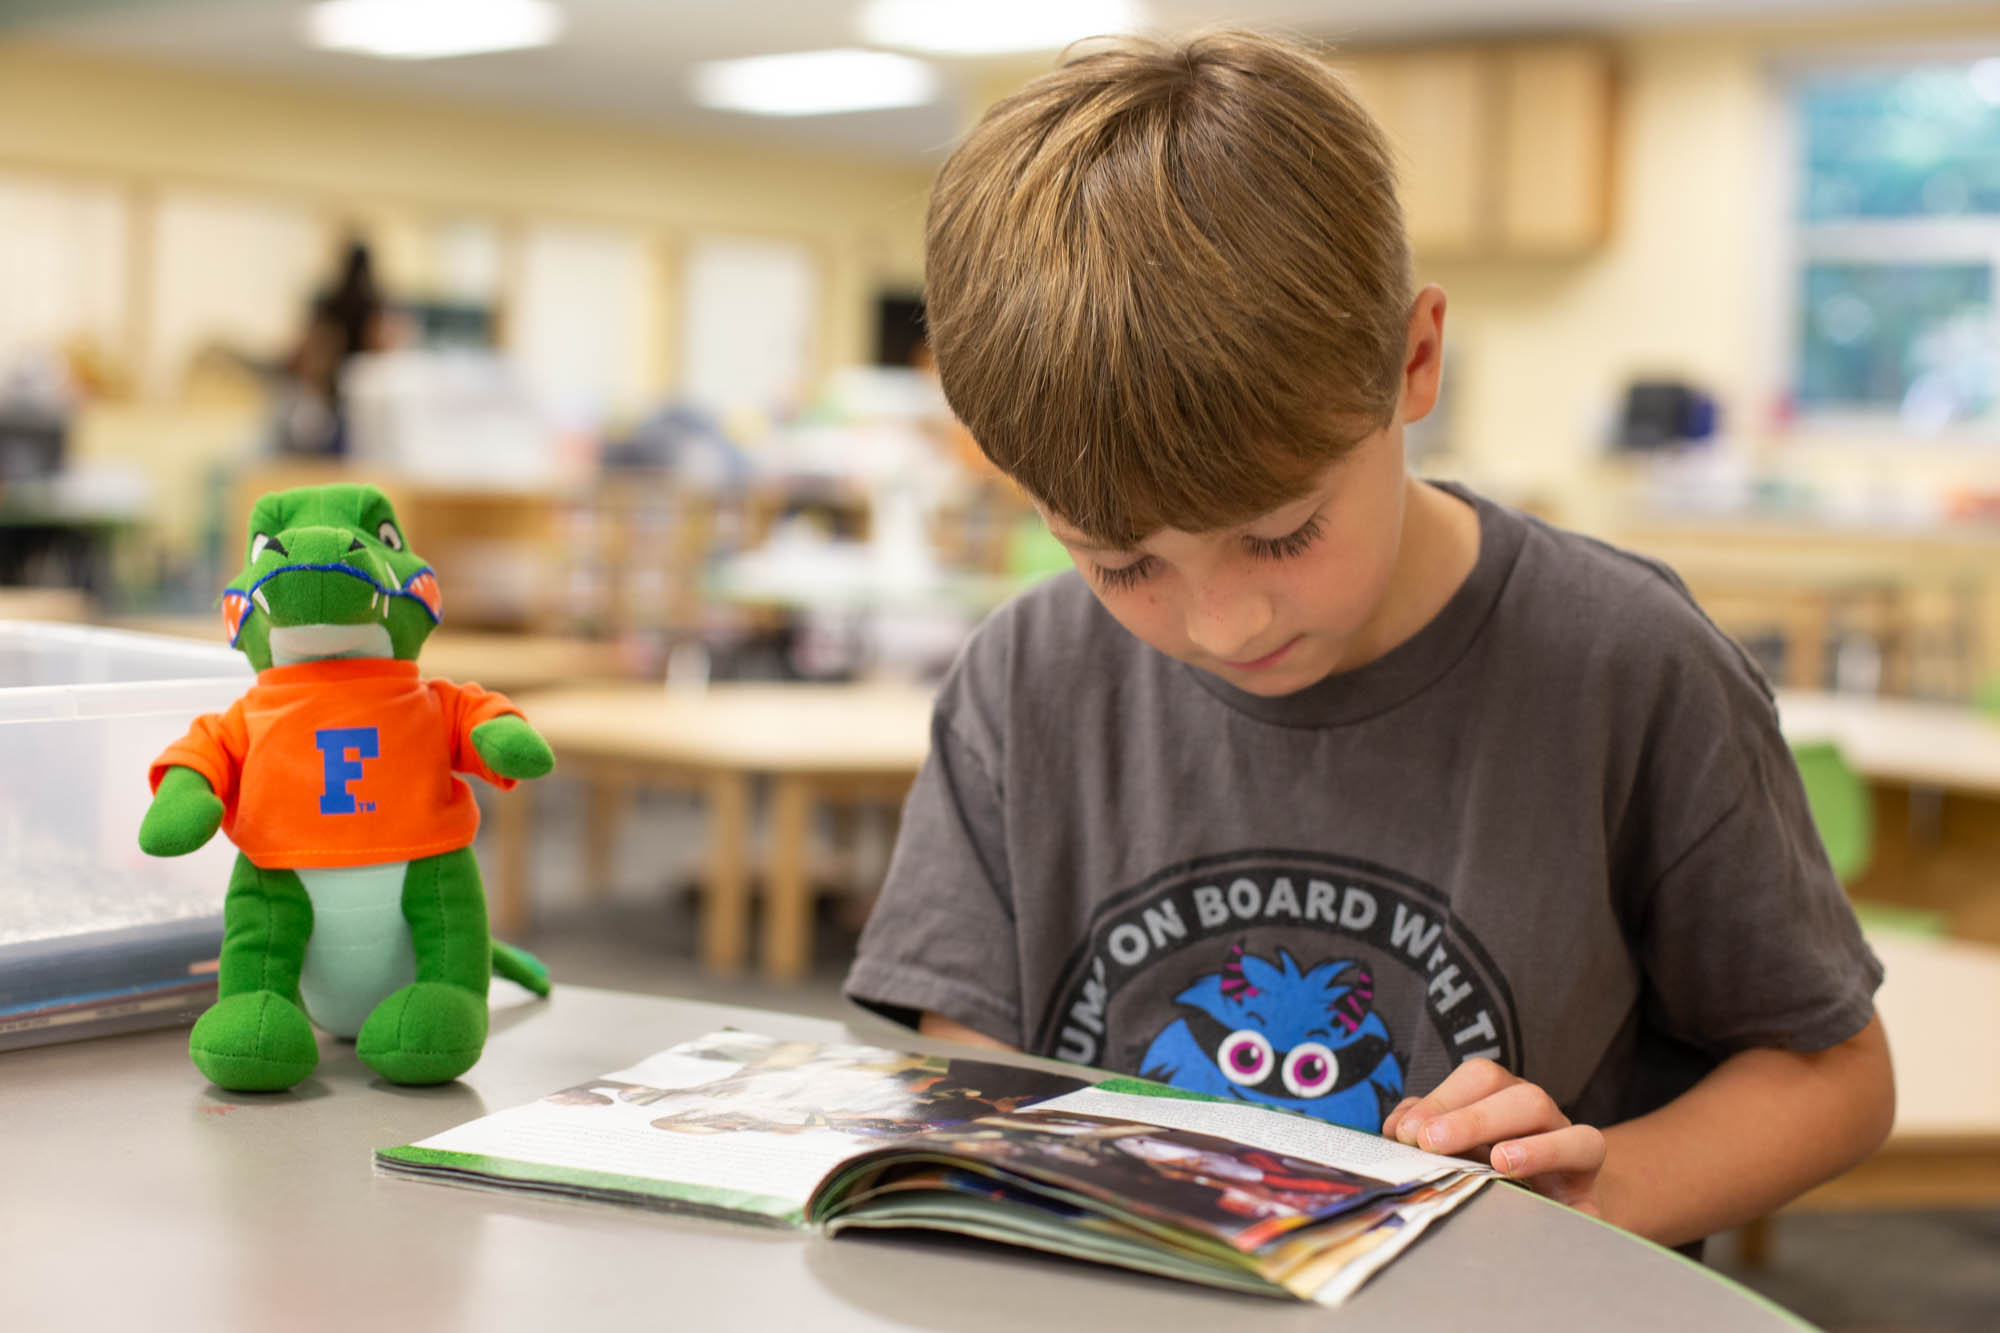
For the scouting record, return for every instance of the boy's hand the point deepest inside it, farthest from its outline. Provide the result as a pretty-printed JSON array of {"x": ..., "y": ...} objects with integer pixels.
[{"x": 1483, "y": 1112}]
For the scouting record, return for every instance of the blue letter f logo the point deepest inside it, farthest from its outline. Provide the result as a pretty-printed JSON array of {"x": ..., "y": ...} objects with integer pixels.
[{"x": 334, "y": 744}]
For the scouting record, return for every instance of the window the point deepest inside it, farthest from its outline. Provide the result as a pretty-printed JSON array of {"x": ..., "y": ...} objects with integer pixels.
[{"x": 1896, "y": 222}]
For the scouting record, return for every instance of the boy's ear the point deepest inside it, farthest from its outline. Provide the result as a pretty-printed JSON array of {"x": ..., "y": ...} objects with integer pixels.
[{"x": 1423, "y": 355}]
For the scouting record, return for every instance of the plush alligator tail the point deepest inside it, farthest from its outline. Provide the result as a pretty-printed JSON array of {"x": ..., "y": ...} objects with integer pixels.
[{"x": 521, "y": 967}]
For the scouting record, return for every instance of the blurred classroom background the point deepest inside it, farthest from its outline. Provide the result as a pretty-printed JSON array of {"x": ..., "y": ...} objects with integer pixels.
[{"x": 621, "y": 302}]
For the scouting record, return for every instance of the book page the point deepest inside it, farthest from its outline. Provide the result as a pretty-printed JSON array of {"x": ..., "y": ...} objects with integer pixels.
[
  {"x": 1257, "y": 1127},
  {"x": 607, "y": 1131},
  {"x": 732, "y": 1122}
]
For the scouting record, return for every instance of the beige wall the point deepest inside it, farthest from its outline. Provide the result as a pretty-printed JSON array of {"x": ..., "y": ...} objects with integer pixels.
[
  {"x": 390, "y": 161},
  {"x": 1538, "y": 351}
]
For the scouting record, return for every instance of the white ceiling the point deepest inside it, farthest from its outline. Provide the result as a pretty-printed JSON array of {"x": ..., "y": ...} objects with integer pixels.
[{"x": 629, "y": 59}]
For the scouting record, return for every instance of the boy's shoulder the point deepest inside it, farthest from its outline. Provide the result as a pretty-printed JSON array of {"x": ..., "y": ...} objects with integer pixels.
[{"x": 1617, "y": 608}]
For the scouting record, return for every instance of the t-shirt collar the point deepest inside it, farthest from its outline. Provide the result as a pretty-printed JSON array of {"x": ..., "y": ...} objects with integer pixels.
[{"x": 335, "y": 669}]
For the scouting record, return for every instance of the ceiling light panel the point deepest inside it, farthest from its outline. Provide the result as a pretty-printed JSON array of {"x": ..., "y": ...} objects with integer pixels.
[
  {"x": 431, "y": 29},
  {"x": 815, "y": 83}
]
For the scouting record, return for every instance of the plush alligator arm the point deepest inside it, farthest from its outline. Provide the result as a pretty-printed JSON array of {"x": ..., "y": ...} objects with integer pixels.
[
  {"x": 184, "y": 815},
  {"x": 512, "y": 748}
]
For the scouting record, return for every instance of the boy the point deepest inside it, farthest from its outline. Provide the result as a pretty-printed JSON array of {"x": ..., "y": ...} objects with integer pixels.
[{"x": 1319, "y": 785}]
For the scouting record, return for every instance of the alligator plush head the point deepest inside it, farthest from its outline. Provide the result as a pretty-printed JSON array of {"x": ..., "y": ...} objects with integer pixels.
[{"x": 327, "y": 574}]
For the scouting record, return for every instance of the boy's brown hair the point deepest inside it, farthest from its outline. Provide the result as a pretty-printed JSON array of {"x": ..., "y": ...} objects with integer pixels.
[{"x": 1167, "y": 283}]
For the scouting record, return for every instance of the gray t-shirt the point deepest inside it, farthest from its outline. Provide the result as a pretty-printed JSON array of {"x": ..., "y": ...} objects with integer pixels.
[{"x": 1558, "y": 828}]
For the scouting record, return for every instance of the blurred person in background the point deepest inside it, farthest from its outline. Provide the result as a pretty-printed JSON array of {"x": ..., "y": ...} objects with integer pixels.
[{"x": 344, "y": 320}]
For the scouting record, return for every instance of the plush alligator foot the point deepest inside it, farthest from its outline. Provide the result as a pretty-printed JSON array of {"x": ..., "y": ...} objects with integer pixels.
[
  {"x": 427, "y": 1032},
  {"x": 256, "y": 1041}
]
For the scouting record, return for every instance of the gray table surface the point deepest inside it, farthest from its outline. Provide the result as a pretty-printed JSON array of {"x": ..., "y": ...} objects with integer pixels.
[{"x": 135, "y": 1195}]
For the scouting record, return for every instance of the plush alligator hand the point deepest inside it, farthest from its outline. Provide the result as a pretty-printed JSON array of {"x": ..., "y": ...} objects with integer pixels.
[
  {"x": 512, "y": 748},
  {"x": 184, "y": 815},
  {"x": 355, "y": 903}
]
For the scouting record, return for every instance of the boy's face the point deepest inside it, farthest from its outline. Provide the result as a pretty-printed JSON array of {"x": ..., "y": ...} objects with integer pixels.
[
  {"x": 1279, "y": 603},
  {"x": 1306, "y": 590}
]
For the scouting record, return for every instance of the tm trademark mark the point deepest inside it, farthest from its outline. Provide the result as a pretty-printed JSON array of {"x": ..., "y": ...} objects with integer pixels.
[{"x": 367, "y": 807}]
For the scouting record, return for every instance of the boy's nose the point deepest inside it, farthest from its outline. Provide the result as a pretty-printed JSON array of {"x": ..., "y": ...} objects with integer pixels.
[{"x": 1229, "y": 622}]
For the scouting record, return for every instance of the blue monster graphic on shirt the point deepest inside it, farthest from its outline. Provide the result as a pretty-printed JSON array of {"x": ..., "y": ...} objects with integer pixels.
[{"x": 1263, "y": 1031}]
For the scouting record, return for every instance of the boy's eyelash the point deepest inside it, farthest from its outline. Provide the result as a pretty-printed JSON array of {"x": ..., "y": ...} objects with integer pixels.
[
  {"x": 1119, "y": 578},
  {"x": 1291, "y": 544},
  {"x": 1125, "y": 576}
]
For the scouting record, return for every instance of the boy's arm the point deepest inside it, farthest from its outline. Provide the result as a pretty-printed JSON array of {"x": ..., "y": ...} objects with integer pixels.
[
  {"x": 940, "y": 944},
  {"x": 946, "y": 1029},
  {"x": 1762, "y": 1128}
]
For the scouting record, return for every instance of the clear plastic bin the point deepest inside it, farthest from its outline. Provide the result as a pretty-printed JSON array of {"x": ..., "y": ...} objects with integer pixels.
[{"x": 96, "y": 936}]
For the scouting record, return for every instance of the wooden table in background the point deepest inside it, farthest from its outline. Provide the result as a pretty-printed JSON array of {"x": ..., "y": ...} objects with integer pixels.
[
  {"x": 1911, "y": 742},
  {"x": 509, "y": 663},
  {"x": 64, "y": 605},
  {"x": 811, "y": 742}
]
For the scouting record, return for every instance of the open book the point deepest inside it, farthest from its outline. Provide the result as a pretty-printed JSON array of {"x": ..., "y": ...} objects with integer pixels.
[{"x": 1125, "y": 1172}]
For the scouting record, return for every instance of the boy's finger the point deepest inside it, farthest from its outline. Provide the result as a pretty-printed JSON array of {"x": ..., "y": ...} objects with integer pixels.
[
  {"x": 1570, "y": 1151},
  {"x": 1471, "y": 1082},
  {"x": 1390, "y": 1121},
  {"x": 1519, "y": 1109}
]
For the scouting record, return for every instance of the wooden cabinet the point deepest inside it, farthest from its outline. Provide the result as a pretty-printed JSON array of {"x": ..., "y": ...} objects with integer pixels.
[
  {"x": 1554, "y": 164},
  {"x": 1433, "y": 104},
  {"x": 1503, "y": 149}
]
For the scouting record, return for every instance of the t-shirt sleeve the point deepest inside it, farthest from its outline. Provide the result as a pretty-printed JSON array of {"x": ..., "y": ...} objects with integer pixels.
[
  {"x": 1745, "y": 934},
  {"x": 467, "y": 706},
  {"x": 941, "y": 936},
  {"x": 213, "y": 747}
]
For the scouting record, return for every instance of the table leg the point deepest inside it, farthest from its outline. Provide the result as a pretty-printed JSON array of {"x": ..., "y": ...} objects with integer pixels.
[
  {"x": 510, "y": 899},
  {"x": 787, "y": 892},
  {"x": 725, "y": 908},
  {"x": 606, "y": 794},
  {"x": 1806, "y": 648}
]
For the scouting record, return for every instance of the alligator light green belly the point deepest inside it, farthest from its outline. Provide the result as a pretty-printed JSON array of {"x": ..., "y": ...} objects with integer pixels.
[{"x": 359, "y": 951}]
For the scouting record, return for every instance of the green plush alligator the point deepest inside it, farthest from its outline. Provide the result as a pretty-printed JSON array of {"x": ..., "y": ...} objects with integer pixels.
[{"x": 355, "y": 898}]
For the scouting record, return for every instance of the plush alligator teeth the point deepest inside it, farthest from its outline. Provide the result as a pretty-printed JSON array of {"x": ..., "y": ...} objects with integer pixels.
[{"x": 259, "y": 598}]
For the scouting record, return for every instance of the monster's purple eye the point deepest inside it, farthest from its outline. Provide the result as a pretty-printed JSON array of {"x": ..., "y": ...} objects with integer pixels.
[
  {"x": 1245, "y": 1057},
  {"x": 1310, "y": 1070}
]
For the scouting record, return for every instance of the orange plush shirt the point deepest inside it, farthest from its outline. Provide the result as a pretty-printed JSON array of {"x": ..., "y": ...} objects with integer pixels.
[{"x": 343, "y": 763}]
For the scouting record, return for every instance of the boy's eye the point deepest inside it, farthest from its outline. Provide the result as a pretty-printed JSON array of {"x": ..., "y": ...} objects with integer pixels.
[
  {"x": 1291, "y": 544},
  {"x": 1116, "y": 578}
]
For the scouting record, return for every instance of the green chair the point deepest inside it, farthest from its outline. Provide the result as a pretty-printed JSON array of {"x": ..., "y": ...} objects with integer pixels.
[
  {"x": 1840, "y": 806},
  {"x": 1843, "y": 813}
]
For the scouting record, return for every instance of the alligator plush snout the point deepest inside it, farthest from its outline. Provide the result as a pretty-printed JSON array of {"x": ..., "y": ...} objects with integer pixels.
[{"x": 320, "y": 576}]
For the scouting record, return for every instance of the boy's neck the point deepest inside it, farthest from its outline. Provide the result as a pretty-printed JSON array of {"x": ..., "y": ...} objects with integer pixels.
[{"x": 1439, "y": 547}]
